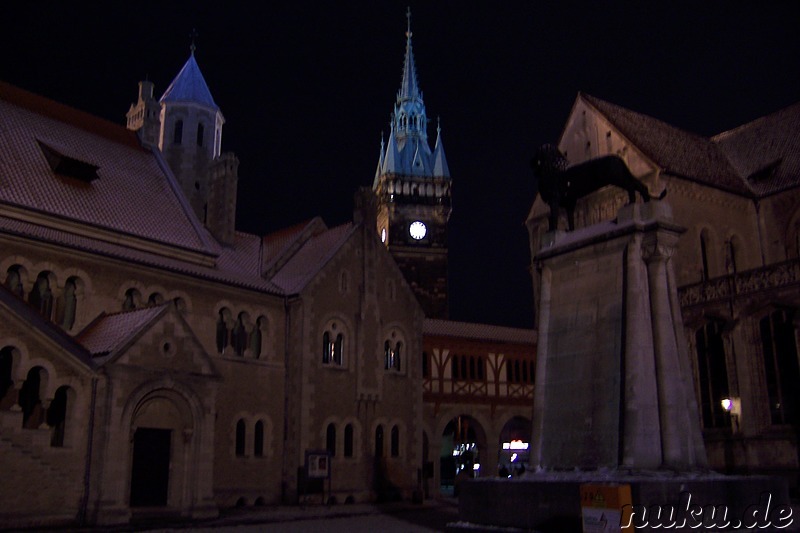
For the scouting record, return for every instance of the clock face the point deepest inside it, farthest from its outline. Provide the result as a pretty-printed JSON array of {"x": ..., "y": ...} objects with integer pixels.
[{"x": 417, "y": 230}]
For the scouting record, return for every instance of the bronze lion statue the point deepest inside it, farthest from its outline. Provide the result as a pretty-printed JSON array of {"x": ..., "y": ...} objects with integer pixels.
[{"x": 562, "y": 186}]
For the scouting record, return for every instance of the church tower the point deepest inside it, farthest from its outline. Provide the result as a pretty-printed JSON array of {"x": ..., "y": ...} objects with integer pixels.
[
  {"x": 413, "y": 189},
  {"x": 189, "y": 135}
]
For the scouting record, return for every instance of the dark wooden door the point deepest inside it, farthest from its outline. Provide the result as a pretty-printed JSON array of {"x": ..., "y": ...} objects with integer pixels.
[{"x": 150, "y": 470}]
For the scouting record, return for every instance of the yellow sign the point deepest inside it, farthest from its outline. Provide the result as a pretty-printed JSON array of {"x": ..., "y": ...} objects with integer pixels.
[{"x": 601, "y": 508}]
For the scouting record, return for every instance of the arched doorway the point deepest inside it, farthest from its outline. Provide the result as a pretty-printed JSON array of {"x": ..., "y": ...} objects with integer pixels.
[
  {"x": 514, "y": 446},
  {"x": 463, "y": 442},
  {"x": 162, "y": 430}
]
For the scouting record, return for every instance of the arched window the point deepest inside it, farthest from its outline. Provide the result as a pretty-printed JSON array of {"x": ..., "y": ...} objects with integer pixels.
[
  {"x": 398, "y": 348},
  {"x": 258, "y": 439},
  {"x": 241, "y": 435},
  {"x": 30, "y": 399},
  {"x": 70, "y": 303},
  {"x": 395, "y": 442},
  {"x": 41, "y": 297},
  {"x": 327, "y": 348},
  {"x": 256, "y": 337},
  {"x": 200, "y": 133},
  {"x": 330, "y": 439},
  {"x": 333, "y": 346},
  {"x": 57, "y": 417},
  {"x": 14, "y": 281},
  {"x": 471, "y": 367},
  {"x": 509, "y": 372},
  {"x": 132, "y": 300},
  {"x": 379, "y": 441},
  {"x": 454, "y": 367},
  {"x": 239, "y": 336},
  {"x": 177, "y": 135},
  {"x": 425, "y": 365},
  {"x": 338, "y": 350},
  {"x": 781, "y": 367},
  {"x": 481, "y": 362},
  {"x": 713, "y": 374},
  {"x": 387, "y": 354},
  {"x": 348, "y": 440},
  {"x": 222, "y": 330}
]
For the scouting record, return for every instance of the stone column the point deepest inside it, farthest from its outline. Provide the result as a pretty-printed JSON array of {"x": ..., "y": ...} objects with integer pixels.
[
  {"x": 677, "y": 410},
  {"x": 640, "y": 426}
]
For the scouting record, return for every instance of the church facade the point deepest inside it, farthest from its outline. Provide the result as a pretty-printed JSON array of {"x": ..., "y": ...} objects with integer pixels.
[
  {"x": 737, "y": 195},
  {"x": 155, "y": 361}
]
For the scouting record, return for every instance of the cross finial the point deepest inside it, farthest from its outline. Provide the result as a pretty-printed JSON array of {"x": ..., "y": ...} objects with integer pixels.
[
  {"x": 193, "y": 35},
  {"x": 408, "y": 16}
]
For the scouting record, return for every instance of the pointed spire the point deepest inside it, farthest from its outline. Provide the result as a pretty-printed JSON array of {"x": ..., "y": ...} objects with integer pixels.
[
  {"x": 380, "y": 164},
  {"x": 409, "y": 88},
  {"x": 440, "y": 167},
  {"x": 189, "y": 86}
]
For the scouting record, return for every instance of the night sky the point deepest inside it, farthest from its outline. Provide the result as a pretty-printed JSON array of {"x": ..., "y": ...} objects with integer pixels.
[{"x": 307, "y": 90}]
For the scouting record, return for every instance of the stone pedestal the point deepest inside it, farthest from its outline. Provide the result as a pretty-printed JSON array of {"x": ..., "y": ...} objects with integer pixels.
[
  {"x": 613, "y": 381},
  {"x": 614, "y": 399}
]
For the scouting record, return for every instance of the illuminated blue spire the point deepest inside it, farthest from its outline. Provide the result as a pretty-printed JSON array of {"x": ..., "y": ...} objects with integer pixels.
[
  {"x": 407, "y": 151},
  {"x": 189, "y": 86}
]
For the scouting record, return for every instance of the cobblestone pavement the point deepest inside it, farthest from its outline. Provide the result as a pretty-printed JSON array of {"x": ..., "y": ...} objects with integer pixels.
[{"x": 431, "y": 516}]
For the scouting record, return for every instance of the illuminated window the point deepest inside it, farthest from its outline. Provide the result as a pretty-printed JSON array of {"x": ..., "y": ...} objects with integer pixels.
[{"x": 333, "y": 346}]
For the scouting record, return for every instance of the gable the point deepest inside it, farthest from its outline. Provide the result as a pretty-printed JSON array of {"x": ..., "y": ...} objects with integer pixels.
[
  {"x": 589, "y": 134},
  {"x": 22, "y": 328},
  {"x": 156, "y": 338},
  {"x": 670, "y": 149}
]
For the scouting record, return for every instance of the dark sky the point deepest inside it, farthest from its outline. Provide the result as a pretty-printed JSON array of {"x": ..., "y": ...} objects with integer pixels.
[{"x": 306, "y": 91}]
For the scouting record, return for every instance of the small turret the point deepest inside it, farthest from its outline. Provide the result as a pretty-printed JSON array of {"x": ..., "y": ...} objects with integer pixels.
[
  {"x": 185, "y": 124},
  {"x": 144, "y": 116}
]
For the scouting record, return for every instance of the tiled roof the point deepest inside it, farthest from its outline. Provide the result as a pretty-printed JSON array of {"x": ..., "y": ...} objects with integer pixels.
[
  {"x": 243, "y": 258},
  {"x": 486, "y": 332},
  {"x": 678, "y": 152},
  {"x": 277, "y": 243},
  {"x": 766, "y": 151},
  {"x": 108, "y": 333},
  {"x": 134, "y": 194},
  {"x": 189, "y": 86},
  {"x": 231, "y": 268},
  {"x": 310, "y": 258}
]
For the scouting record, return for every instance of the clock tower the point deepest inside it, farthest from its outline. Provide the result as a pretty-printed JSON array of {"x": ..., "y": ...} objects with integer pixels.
[{"x": 413, "y": 189}]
